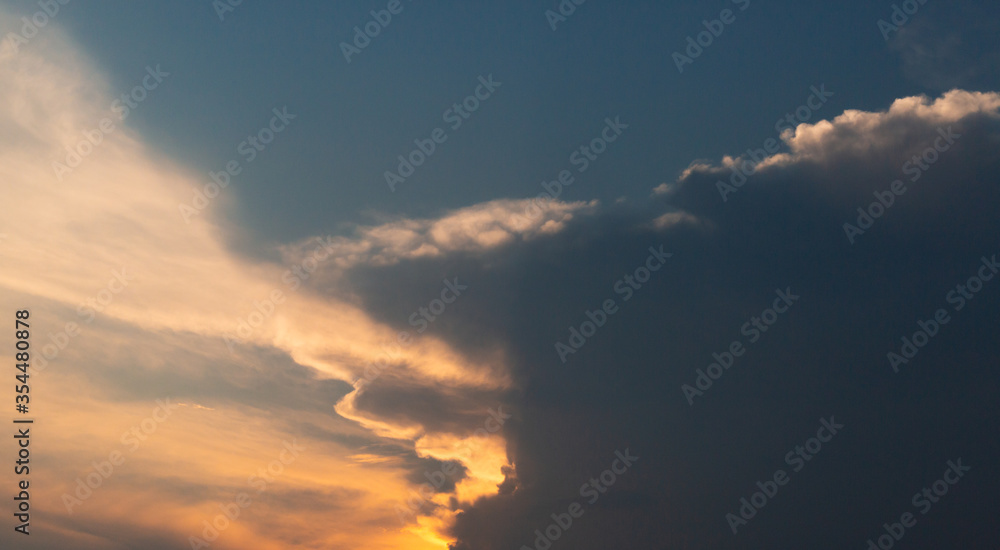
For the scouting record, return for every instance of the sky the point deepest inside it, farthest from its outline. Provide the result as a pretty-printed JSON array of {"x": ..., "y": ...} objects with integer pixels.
[{"x": 399, "y": 275}]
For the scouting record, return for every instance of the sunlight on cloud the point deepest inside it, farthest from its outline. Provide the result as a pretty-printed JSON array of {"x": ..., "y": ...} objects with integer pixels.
[
  {"x": 115, "y": 218},
  {"x": 859, "y": 132}
]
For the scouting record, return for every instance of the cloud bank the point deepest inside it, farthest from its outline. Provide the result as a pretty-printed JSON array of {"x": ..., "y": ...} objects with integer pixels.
[{"x": 324, "y": 364}]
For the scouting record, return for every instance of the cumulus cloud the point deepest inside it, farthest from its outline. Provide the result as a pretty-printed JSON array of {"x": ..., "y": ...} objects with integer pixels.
[
  {"x": 849, "y": 157},
  {"x": 622, "y": 389},
  {"x": 862, "y": 134}
]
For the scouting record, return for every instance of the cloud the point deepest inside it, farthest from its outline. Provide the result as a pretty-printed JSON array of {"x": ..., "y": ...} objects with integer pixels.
[
  {"x": 859, "y": 133},
  {"x": 471, "y": 229},
  {"x": 154, "y": 301},
  {"x": 534, "y": 271},
  {"x": 782, "y": 230},
  {"x": 849, "y": 156}
]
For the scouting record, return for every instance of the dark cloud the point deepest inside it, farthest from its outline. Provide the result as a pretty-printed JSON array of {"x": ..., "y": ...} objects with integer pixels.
[
  {"x": 825, "y": 356},
  {"x": 436, "y": 409},
  {"x": 427, "y": 474}
]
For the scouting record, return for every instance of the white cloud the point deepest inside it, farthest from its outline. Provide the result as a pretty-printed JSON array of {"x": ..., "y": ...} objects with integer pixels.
[{"x": 860, "y": 133}]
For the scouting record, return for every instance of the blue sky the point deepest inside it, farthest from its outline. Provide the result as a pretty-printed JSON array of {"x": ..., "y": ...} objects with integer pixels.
[{"x": 606, "y": 59}]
